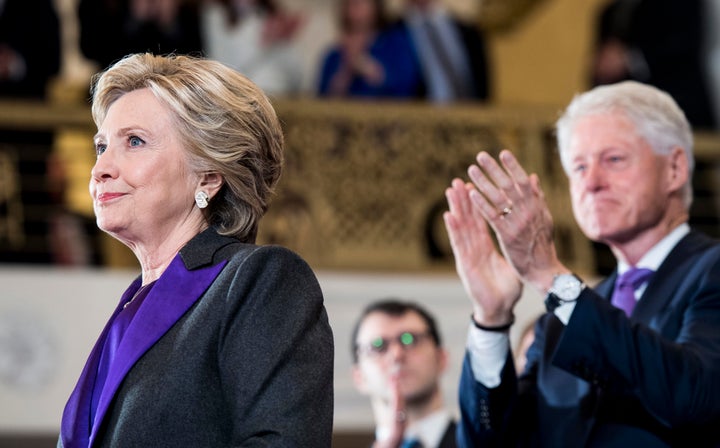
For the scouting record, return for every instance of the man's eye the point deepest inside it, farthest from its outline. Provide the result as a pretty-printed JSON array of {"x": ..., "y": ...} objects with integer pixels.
[
  {"x": 135, "y": 141},
  {"x": 407, "y": 339},
  {"x": 100, "y": 149},
  {"x": 616, "y": 161},
  {"x": 378, "y": 344}
]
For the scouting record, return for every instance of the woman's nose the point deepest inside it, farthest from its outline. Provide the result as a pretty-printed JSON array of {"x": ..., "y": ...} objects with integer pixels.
[{"x": 105, "y": 166}]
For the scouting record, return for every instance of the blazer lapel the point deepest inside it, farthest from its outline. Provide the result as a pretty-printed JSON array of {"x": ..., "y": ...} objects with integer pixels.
[
  {"x": 75, "y": 425},
  {"x": 667, "y": 279},
  {"x": 173, "y": 294},
  {"x": 605, "y": 287}
]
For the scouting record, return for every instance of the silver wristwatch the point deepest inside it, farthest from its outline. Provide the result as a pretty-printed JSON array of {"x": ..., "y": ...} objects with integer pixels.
[{"x": 565, "y": 288}]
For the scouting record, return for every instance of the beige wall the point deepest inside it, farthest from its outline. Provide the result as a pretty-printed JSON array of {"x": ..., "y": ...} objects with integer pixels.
[{"x": 544, "y": 59}]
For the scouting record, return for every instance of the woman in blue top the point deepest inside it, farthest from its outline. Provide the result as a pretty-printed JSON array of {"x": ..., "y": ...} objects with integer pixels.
[{"x": 371, "y": 58}]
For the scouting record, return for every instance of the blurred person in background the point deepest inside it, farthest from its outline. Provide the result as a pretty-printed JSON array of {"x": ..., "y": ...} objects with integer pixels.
[
  {"x": 398, "y": 361},
  {"x": 452, "y": 53},
  {"x": 111, "y": 29},
  {"x": 257, "y": 38},
  {"x": 370, "y": 59},
  {"x": 30, "y": 50},
  {"x": 30, "y": 56},
  {"x": 657, "y": 42}
]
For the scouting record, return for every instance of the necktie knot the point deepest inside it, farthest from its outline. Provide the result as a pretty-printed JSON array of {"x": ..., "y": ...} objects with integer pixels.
[
  {"x": 634, "y": 277},
  {"x": 625, "y": 286}
]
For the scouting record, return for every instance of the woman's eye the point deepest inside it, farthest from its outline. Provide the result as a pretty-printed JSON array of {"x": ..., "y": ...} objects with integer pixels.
[
  {"x": 135, "y": 141},
  {"x": 100, "y": 149}
]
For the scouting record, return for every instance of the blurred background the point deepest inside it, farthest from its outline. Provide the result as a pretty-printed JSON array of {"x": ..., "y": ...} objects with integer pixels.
[{"x": 363, "y": 190}]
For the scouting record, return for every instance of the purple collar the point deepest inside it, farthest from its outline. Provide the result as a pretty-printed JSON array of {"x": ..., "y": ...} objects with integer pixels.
[{"x": 174, "y": 293}]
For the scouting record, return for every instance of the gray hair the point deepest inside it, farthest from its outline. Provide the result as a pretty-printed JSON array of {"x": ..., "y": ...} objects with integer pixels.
[{"x": 656, "y": 117}]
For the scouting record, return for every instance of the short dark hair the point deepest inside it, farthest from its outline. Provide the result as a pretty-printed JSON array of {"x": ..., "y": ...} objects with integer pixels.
[{"x": 394, "y": 307}]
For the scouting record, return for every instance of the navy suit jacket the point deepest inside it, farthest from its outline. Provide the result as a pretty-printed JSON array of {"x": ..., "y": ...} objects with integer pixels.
[
  {"x": 606, "y": 380},
  {"x": 231, "y": 346}
]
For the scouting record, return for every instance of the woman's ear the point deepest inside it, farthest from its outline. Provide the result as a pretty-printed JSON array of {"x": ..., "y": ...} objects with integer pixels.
[{"x": 210, "y": 183}]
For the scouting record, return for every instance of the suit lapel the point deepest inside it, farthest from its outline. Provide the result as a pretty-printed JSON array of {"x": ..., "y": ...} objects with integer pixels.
[
  {"x": 449, "y": 439},
  {"x": 173, "y": 294},
  {"x": 605, "y": 287},
  {"x": 667, "y": 279}
]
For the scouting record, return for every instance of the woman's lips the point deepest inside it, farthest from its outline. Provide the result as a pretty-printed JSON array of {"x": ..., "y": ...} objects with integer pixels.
[{"x": 105, "y": 197}]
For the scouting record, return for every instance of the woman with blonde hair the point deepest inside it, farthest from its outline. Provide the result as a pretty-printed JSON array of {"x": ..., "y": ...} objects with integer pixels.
[{"x": 219, "y": 342}]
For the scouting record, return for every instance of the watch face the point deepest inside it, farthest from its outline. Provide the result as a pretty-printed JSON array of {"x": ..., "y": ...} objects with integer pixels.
[{"x": 567, "y": 287}]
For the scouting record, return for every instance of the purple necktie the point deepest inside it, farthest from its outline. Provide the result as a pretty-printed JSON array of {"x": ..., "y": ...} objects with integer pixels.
[{"x": 625, "y": 286}]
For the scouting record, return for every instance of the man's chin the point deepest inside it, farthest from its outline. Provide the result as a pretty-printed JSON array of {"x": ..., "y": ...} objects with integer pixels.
[
  {"x": 598, "y": 231},
  {"x": 420, "y": 397}
]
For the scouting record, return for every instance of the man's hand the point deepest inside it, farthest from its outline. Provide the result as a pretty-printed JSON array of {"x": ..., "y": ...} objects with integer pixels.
[
  {"x": 514, "y": 206},
  {"x": 489, "y": 280},
  {"x": 399, "y": 416}
]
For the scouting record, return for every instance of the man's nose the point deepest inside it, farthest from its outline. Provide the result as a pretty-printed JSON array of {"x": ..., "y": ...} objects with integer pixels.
[
  {"x": 396, "y": 350},
  {"x": 594, "y": 177}
]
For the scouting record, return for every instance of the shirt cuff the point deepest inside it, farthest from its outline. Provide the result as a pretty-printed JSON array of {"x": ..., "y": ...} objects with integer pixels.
[{"x": 488, "y": 353}]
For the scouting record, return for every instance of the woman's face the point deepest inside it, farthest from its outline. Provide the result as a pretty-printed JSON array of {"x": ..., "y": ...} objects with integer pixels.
[
  {"x": 360, "y": 13},
  {"x": 141, "y": 185}
]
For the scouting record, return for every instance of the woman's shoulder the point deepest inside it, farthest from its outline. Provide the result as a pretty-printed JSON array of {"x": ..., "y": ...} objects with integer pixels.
[
  {"x": 239, "y": 250},
  {"x": 269, "y": 255},
  {"x": 210, "y": 247}
]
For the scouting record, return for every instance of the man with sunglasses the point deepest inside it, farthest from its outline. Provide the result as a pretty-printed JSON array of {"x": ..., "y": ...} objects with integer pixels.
[{"x": 398, "y": 360}]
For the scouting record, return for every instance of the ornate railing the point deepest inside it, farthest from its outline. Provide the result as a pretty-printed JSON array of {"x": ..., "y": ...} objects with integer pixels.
[{"x": 364, "y": 182}]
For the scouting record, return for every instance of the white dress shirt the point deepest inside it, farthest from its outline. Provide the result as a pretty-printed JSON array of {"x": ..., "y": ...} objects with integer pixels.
[{"x": 429, "y": 431}]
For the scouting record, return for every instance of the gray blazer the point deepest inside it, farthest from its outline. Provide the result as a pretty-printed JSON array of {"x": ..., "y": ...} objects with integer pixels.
[{"x": 231, "y": 347}]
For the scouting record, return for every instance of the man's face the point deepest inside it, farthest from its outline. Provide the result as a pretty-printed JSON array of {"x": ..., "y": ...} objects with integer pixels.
[
  {"x": 619, "y": 186},
  {"x": 401, "y": 346}
]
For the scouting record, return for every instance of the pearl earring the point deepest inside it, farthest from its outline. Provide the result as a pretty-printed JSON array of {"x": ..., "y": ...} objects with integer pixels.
[{"x": 201, "y": 199}]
